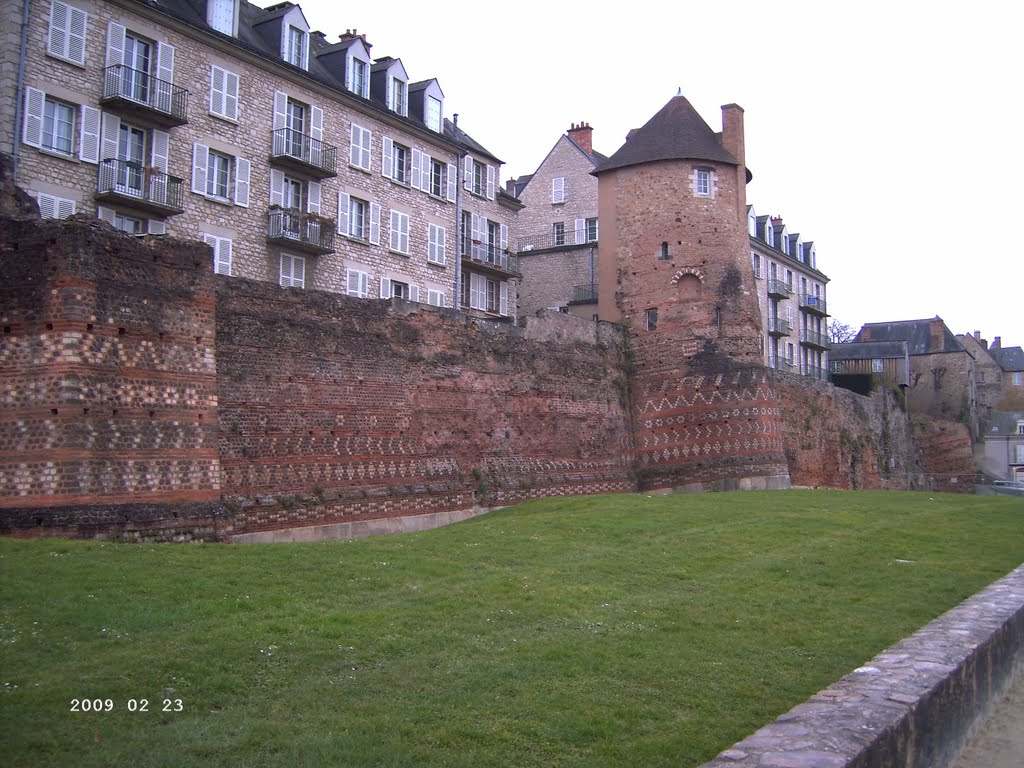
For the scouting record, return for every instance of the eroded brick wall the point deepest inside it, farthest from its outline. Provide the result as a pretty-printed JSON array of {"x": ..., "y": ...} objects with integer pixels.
[
  {"x": 108, "y": 382},
  {"x": 334, "y": 408}
]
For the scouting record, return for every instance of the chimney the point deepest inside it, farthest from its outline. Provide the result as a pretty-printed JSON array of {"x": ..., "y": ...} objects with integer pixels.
[
  {"x": 997, "y": 343},
  {"x": 936, "y": 337},
  {"x": 733, "y": 141},
  {"x": 582, "y": 134},
  {"x": 777, "y": 221}
]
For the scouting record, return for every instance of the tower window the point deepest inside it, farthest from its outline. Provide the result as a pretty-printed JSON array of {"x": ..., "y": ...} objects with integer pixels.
[{"x": 651, "y": 319}]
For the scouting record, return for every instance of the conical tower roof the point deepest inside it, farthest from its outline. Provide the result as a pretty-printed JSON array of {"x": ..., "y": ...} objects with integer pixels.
[{"x": 676, "y": 132}]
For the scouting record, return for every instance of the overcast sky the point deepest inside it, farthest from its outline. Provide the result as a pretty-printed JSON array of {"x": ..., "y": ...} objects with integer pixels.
[{"x": 889, "y": 133}]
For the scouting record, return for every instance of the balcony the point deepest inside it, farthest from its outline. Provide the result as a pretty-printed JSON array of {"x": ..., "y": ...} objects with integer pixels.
[
  {"x": 584, "y": 294},
  {"x": 141, "y": 187},
  {"x": 492, "y": 259},
  {"x": 550, "y": 239},
  {"x": 777, "y": 289},
  {"x": 784, "y": 364},
  {"x": 813, "y": 339},
  {"x": 816, "y": 372},
  {"x": 145, "y": 99},
  {"x": 298, "y": 231},
  {"x": 779, "y": 327},
  {"x": 813, "y": 304},
  {"x": 302, "y": 154}
]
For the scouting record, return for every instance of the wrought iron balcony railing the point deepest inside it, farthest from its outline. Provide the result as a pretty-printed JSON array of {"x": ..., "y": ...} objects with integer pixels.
[
  {"x": 143, "y": 187},
  {"x": 813, "y": 339},
  {"x": 553, "y": 239},
  {"x": 303, "y": 153},
  {"x": 584, "y": 294},
  {"x": 490, "y": 256},
  {"x": 301, "y": 231},
  {"x": 811, "y": 303},
  {"x": 157, "y": 102},
  {"x": 779, "y": 289},
  {"x": 777, "y": 326}
]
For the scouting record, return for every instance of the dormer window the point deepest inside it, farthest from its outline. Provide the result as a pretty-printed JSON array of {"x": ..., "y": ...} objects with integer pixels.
[
  {"x": 296, "y": 49},
  {"x": 752, "y": 223},
  {"x": 398, "y": 96},
  {"x": 359, "y": 77},
  {"x": 769, "y": 234},
  {"x": 433, "y": 114},
  {"x": 222, "y": 15}
]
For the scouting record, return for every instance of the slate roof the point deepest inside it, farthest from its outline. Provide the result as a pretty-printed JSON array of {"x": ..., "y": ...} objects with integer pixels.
[
  {"x": 916, "y": 333},
  {"x": 1004, "y": 422},
  {"x": 250, "y": 16},
  {"x": 676, "y": 132},
  {"x": 867, "y": 350},
  {"x": 1009, "y": 358}
]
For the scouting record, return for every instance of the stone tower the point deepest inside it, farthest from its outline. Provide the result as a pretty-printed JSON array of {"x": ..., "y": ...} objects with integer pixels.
[{"x": 674, "y": 266}]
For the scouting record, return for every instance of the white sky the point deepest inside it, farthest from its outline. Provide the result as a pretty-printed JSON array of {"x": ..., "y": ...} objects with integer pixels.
[{"x": 889, "y": 133}]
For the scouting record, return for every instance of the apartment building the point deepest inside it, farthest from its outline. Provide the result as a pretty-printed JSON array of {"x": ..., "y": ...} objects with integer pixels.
[
  {"x": 791, "y": 296},
  {"x": 558, "y": 227},
  {"x": 299, "y": 160}
]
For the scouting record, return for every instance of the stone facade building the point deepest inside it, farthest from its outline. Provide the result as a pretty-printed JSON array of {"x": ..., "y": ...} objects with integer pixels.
[
  {"x": 791, "y": 295},
  {"x": 558, "y": 227},
  {"x": 300, "y": 161}
]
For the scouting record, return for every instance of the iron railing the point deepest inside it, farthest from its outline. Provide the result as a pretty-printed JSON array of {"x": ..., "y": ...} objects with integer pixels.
[
  {"x": 552, "y": 239},
  {"x": 309, "y": 232},
  {"x": 812, "y": 303},
  {"x": 813, "y": 338},
  {"x": 779, "y": 288},
  {"x": 145, "y": 184},
  {"x": 779, "y": 326},
  {"x": 585, "y": 293},
  {"x": 140, "y": 87},
  {"x": 290, "y": 144}
]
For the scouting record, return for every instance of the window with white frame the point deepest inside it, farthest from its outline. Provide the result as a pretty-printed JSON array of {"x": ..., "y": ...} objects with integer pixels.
[
  {"x": 399, "y": 96},
  {"x": 358, "y": 76},
  {"x": 66, "y": 36},
  {"x": 359, "y": 148},
  {"x": 1020, "y": 454},
  {"x": 558, "y": 233},
  {"x": 756, "y": 259},
  {"x": 1020, "y": 427},
  {"x": 435, "y": 298},
  {"x": 651, "y": 319},
  {"x": 220, "y": 176},
  {"x": 398, "y": 289},
  {"x": 592, "y": 230},
  {"x": 1017, "y": 379},
  {"x": 358, "y": 211},
  {"x": 479, "y": 178},
  {"x": 558, "y": 190},
  {"x": 130, "y": 224},
  {"x": 433, "y": 114},
  {"x": 436, "y": 237},
  {"x": 220, "y": 15},
  {"x": 399, "y": 232},
  {"x": 51, "y": 124},
  {"x": 702, "y": 182},
  {"x": 358, "y": 218},
  {"x": 357, "y": 283},
  {"x": 395, "y": 161},
  {"x": 221, "y": 253},
  {"x": 436, "y": 184},
  {"x": 223, "y": 93},
  {"x": 53, "y": 207},
  {"x": 876, "y": 365},
  {"x": 296, "y": 46},
  {"x": 293, "y": 271},
  {"x": 58, "y": 126}
]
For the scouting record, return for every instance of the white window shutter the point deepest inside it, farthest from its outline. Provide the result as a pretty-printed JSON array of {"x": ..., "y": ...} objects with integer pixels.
[
  {"x": 490, "y": 182},
  {"x": 387, "y": 158},
  {"x": 47, "y": 206},
  {"x": 504, "y": 237},
  {"x": 77, "y": 24},
  {"x": 581, "y": 231},
  {"x": 165, "y": 63},
  {"x": 111, "y": 125},
  {"x": 231, "y": 83},
  {"x": 218, "y": 90},
  {"x": 200, "y": 159},
  {"x": 343, "y": 203},
  {"x": 115, "y": 44},
  {"x": 355, "y": 145},
  {"x": 394, "y": 236},
  {"x": 389, "y": 95},
  {"x": 276, "y": 187},
  {"x": 416, "y": 180},
  {"x": 242, "y": 170},
  {"x": 414, "y": 293},
  {"x": 56, "y": 42},
  {"x": 403, "y": 226},
  {"x": 65, "y": 208},
  {"x": 161, "y": 150},
  {"x": 452, "y": 182},
  {"x": 105, "y": 214},
  {"x": 503, "y": 299},
  {"x": 467, "y": 172},
  {"x": 477, "y": 291},
  {"x": 223, "y": 256},
  {"x": 313, "y": 197},
  {"x": 32, "y": 127},
  {"x": 156, "y": 227},
  {"x": 375, "y": 223},
  {"x": 316, "y": 123},
  {"x": 280, "y": 110},
  {"x": 89, "y": 136},
  {"x": 385, "y": 288}
]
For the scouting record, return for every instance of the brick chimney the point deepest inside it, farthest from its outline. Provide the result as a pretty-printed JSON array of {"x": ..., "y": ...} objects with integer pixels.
[
  {"x": 997, "y": 343},
  {"x": 582, "y": 134},
  {"x": 733, "y": 141},
  {"x": 936, "y": 335}
]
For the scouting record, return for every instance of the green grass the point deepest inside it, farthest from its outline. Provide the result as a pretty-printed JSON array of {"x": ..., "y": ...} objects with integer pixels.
[{"x": 600, "y": 631}]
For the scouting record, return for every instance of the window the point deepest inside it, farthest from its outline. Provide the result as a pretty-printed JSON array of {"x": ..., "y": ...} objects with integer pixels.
[
  {"x": 651, "y": 319},
  {"x": 1020, "y": 454},
  {"x": 558, "y": 233},
  {"x": 129, "y": 224},
  {"x": 399, "y": 290},
  {"x": 558, "y": 190},
  {"x": 702, "y": 186},
  {"x": 592, "y": 230},
  {"x": 436, "y": 183},
  {"x": 399, "y": 96},
  {"x": 479, "y": 178},
  {"x": 358, "y": 81},
  {"x": 399, "y": 233},
  {"x": 663, "y": 255},
  {"x": 756, "y": 258},
  {"x": 52, "y": 207},
  {"x": 436, "y": 244},
  {"x": 295, "y": 47},
  {"x": 295, "y": 122},
  {"x": 357, "y": 210},
  {"x": 1020, "y": 427},
  {"x": 223, "y": 93},
  {"x": 58, "y": 126},
  {"x": 401, "y": 162},
  {"x": 359, "y": 150},
  {"x": 293, "y": 271},
  {"x": 357, "y": 283},
  {"x": 138, "y": 60},
  {"x": 433, "y": 114},
  {"x": 358, "y": 218},
  {"x": 221, "y": 253},
  {"x": 435, "y": 298},
  {"x": 218, "y": 169},
  {"x": 1018, "y": 379},
  {"x": 220, "y": 14},
  {"x": 789, "y": 352},
  {"x": 213, "y": 173},
  {"x": 66, "y": 37}
]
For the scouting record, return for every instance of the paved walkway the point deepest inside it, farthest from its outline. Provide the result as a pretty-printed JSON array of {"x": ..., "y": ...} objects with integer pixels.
[{"x": 1000, "y": 742}]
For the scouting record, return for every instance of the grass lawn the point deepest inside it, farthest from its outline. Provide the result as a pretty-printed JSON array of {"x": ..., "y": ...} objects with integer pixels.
[{"x": 598, "y": 631}]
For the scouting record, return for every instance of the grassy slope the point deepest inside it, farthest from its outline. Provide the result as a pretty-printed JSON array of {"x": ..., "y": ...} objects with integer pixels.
[{"x": 602, "y": 631}]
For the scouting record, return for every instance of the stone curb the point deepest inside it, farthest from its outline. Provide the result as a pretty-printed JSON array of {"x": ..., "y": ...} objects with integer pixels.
[{"x": 915, "y": 705}]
